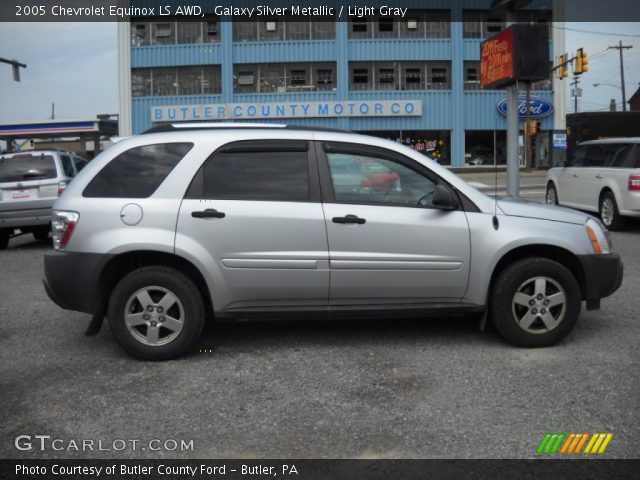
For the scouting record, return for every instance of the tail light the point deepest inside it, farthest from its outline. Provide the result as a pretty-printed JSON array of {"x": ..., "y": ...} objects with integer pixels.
[
  {"x": 62, "y": 226},
  {"x": 62, "y": 186},
  {"x": 365, "y": 186},
  {"x": 634, "y": 182}
]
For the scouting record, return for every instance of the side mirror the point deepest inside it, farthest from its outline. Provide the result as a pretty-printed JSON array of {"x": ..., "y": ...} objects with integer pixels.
[{"x": 444, "y": 198}]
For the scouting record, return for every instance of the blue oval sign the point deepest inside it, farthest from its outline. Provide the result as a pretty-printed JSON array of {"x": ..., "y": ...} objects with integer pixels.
[{"x": 539, "y": 107}]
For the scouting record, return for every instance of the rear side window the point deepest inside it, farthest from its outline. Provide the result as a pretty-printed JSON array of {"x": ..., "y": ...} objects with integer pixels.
[
  {"x": 138, "y": 172},
  {"x": 270, "y": 174},
  {"x": 622, "y": 156},
  {"x": 67, "y": 166},
  {"x": 21, "y": 168}
]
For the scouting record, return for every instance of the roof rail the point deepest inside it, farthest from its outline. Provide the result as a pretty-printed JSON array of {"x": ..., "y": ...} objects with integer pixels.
[{"x": 176, "y": 127}]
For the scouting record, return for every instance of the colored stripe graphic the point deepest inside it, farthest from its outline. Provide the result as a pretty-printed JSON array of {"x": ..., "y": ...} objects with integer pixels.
[
  {"x": 550, "y": 443},
  {"x": 572, "y": 443}
]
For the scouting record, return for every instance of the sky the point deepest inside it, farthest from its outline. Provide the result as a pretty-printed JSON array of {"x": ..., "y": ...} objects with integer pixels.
[{"x": 74, "y": 66}]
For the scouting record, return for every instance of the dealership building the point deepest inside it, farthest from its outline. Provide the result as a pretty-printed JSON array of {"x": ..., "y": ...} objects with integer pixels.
[{"x": 414, "y": 80}]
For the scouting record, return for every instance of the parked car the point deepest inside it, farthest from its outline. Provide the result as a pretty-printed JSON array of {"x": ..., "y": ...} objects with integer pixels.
[
  {"x": 191, "y": 221},
  {"x": 29, "y": 184},
  {"x": 601, "y": 176}
]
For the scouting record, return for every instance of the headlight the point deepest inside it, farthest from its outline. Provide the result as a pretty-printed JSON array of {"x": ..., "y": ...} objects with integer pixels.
[{"x": 599, "y": 236}]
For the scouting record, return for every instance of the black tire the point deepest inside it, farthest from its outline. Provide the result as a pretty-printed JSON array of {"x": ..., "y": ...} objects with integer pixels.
[
  {"x": 609, "y": 213},
  {"x": 520, "y": 277},
  {"x": 551, "y": 195},
  {"x": 156, "y": 281},
  {"x": 4, "y": 239},
  {"x": 41, "y": 233}
]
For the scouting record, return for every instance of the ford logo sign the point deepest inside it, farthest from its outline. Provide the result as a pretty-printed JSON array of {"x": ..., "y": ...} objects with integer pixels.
[{"x": 538, "y": 107}]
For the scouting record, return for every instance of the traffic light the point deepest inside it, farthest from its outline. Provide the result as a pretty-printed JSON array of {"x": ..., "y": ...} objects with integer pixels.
[
  {"x": 582, "y": 62},
  {"x": 561, "y": 69}
]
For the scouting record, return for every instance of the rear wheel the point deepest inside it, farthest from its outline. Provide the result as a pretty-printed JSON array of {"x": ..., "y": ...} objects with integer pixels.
[
  {"x": 552, "y": 194},
  {"x": 156, "y": 313},
  {"x": 4, "y": 239},
  {"x": 535, "y": 302},
  {"x": 609, "y": 213}
]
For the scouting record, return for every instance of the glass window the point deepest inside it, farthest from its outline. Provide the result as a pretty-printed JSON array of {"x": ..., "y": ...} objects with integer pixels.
[
  {"x": 138, "y": 172},
  {"x": 360, "y": 78},
  {"x": 298, "y": 30},
  {"x": 271, "y": 30},
  {"x": 25, "y": 167},
  {"x": 413, "y": 77},
  {"x": 324, "y": 78},
  {"x": 258, "y": 175},
  {"x": 163, "y": 33},
  {"x": 245, "y": 31},
  {"x": 67, "y": 166},
  {"x": 412, "y": 26},
  {"x": 367, "y": 179},
  {"x": 140, "y": 34},
  {"x": 164, "y": 82},
  {"x": 360, "y": 28},
  {"x": 438, "y": 24},
  {"x": 189, "y": 32},
  {"x": 439, "y": 78},
  {"x": 472, "y": 75},
  {"x": 80, "y": 164},
  {"x": 387, "y": 78},
  {"x": 621, "y": 156},
  {"x": 211, "y": 31},
  {"x": 140, "y": 82},
  {"x": 386, "y": 28},
  {"x": 323, "y": 29}
]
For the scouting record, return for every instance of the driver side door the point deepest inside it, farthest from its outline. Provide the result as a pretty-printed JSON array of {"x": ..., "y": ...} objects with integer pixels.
[{"x": 389, "y": 246}]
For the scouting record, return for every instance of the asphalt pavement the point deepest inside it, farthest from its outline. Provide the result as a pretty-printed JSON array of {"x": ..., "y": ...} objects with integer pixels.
[{"x": 314, "y": 389}]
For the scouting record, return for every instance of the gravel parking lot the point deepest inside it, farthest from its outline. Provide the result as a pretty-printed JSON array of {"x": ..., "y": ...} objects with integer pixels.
[{"x": 297, "y": 389}]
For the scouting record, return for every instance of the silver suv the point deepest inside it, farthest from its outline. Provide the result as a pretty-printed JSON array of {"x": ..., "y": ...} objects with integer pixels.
[
  {"x": 191, "y": 221},
  {"x": 29, "y": 184}
]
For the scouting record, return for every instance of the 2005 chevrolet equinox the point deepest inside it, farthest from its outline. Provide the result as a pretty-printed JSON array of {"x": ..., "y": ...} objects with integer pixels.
[{"x": 189, "y": 221}]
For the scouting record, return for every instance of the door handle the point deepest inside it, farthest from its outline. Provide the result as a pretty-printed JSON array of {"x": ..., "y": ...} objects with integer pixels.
[
  {"x": 575, "y": 175},
  {"x": 349, "y": 219},
  {"x": 208, "y": 213},
  {"x": 598, "y": 176}
]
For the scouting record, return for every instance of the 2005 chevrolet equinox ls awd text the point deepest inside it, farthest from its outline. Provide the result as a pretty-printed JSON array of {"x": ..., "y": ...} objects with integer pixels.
[{"x": 192, "y": 221}]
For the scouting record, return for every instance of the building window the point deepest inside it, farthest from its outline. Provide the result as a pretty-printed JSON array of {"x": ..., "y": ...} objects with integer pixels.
[
  {"x": 189, "y": 32},
  {"x": 472, "y": 75},
  {"x": 211, "y": 31},
  {"x": 479, "y": 24},
  {"x": 141, "y": 82},
  {"x": 271, "y": 30},
  {"x": 323, "y": 29},
  {"x": 439, "y": 78},
  {"x": 196, "y": 80},
  {"x": 359, "y": 28},
  {"x": 164, "y": 33},
  {"x": 281, "y": 77},
  {"x": 360, "y": 78},
  {"x": 298, "y": 30},
  {"x": 245, "y": 31},
  {"x": 140, "y": 34},
  {"x": 413, "y": 77},
  {"x": 438, "y": 24},
  {"x": 386, "y": 78},
  {"x": 386, "y": 28}
]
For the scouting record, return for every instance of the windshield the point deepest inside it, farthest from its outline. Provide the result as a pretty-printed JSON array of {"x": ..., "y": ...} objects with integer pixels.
[{"x": 29, "y": 167}]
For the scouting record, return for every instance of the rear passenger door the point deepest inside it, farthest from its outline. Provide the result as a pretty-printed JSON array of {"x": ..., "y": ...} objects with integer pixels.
[{"x": 253, "y": 217}]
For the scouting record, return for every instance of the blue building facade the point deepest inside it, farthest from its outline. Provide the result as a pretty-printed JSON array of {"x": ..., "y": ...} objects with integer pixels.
[{"x": 414, "y": 79}]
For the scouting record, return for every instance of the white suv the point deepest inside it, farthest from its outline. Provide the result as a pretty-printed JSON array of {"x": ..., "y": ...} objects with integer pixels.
[{"x": 600, "y": 176}]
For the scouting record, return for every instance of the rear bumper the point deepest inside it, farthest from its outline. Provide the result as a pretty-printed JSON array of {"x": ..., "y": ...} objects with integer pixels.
[
  {"x": 25, "y": 218},
  {"x": 603, "y": 275},
  {"x": 71, "y": 279}
]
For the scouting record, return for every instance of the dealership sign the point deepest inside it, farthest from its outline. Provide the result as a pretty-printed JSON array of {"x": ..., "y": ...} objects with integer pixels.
[
  {"x": 233, "y": 111},
  {"x": 538, "y": 107}
]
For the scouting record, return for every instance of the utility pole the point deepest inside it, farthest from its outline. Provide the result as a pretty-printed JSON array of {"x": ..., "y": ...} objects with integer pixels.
[
  {"x": 576, "y": 92},
  {"x": 621, "y": 47},
  {"x": 16, "y": 67}
]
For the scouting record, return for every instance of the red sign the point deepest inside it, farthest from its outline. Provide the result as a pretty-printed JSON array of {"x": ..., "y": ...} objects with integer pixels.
[{"x": 496, "y": 60}]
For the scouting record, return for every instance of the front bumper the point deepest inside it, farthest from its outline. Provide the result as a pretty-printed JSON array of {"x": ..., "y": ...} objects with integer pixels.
[
  {"x": 602, "y": 275},
  {"x": 71, "y": 279}
]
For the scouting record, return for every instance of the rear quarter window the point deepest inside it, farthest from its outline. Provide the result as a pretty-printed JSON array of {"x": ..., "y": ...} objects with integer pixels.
[
  {"x": 138, "y": 172},
  {"x": 23, "y": 168}
]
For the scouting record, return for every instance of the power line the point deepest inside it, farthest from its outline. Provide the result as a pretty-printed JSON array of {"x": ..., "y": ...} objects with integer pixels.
[{"x": 593, "y": 32}]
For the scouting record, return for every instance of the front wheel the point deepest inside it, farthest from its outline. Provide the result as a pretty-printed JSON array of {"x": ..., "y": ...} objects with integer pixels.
[
  {"x": 535, "y": 302},
  {"x": 156, "y": 313},
  {"x": 609, "y": 213}
]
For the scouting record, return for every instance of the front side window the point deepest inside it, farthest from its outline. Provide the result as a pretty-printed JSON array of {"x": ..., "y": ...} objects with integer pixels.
[
  {"x": 376, "y": 180},
  {"x": 269, "y": 175},
  {"x": 138, "y": 172},
  {"x": 67, "y": 166}
]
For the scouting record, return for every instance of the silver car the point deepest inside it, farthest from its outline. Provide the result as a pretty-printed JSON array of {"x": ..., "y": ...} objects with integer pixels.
[
  {"x": 192, "y": 221},
  {"x": 29, "y": 184}
]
